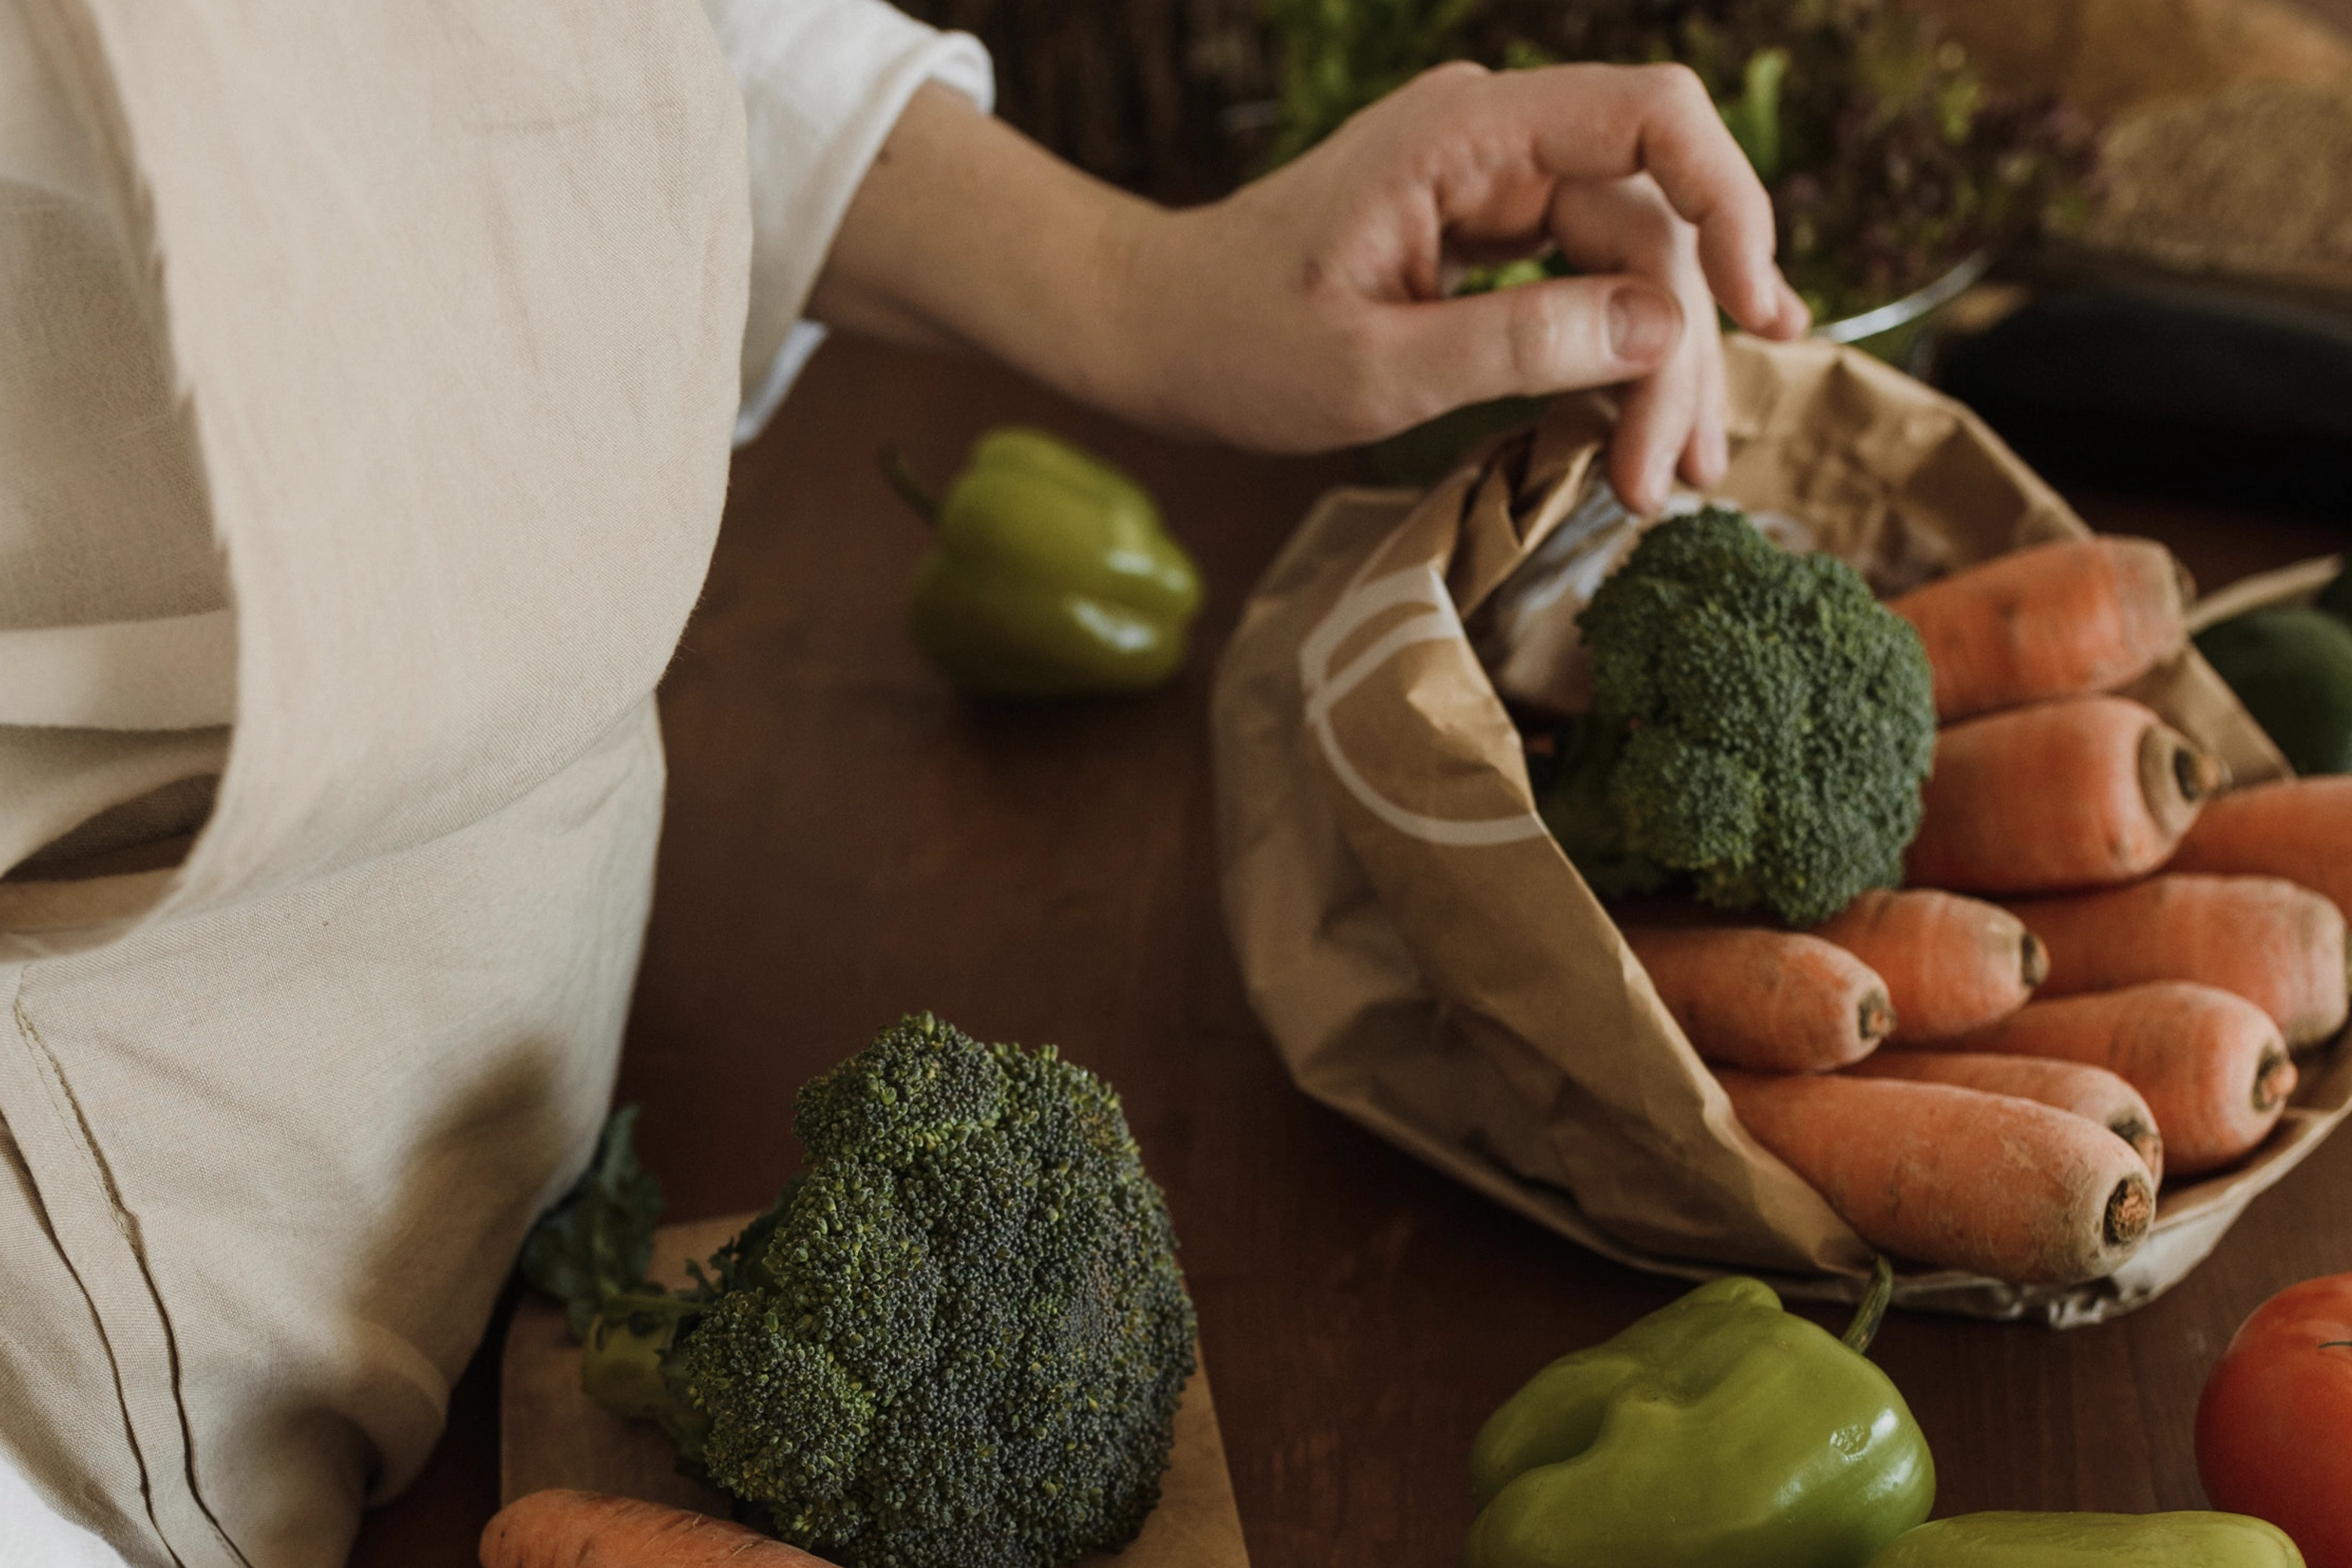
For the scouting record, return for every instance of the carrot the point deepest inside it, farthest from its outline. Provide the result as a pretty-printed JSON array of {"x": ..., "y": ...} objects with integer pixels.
[
  {"x": 2075, "y": 1087},
  {"x": 2279, "y": 946},
  {"x": 1950, "y": 963},
  {"x": 559, "y": 1528},
  {"x": 2297, "y": 828},
  {"x": 1956, "y": 1177},
  {"x": 2212, "y": 1065},
  {"x": 2056, "y": 620},
  {"x": 1775, "y": 1000},
  {"x": 2074, "y": 793}
]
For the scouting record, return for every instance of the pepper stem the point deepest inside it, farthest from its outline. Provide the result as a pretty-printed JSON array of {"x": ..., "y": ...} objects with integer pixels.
[
  {"x": 1873, "y": 1310},
  {"x": 910, "y": 489}
]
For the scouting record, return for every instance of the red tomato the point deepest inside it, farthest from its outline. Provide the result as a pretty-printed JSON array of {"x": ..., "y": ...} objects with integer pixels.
[{"x": 2275, "y": 1427}]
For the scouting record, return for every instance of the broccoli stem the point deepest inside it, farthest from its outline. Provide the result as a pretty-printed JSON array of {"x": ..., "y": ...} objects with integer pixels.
[{"x": 629, "y": 1363}]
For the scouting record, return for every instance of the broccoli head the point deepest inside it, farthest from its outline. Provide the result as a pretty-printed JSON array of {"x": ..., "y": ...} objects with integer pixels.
[
  {"x": 958, "y": 1338},
  {"x": 1760, "y": 723}
]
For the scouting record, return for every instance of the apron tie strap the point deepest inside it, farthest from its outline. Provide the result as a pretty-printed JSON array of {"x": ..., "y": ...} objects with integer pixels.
[{"x": 178, "y": 673}]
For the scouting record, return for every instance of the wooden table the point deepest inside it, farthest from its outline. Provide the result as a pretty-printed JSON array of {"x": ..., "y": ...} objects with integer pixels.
[{"x": 848, "y": 841}]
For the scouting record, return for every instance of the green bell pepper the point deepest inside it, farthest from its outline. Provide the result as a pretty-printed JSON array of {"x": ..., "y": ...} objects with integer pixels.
[
  {"x": 1719, "y": 1432},
  {"x": 2092, "y": 1539},
  {"x": 1051, "y": 576}
]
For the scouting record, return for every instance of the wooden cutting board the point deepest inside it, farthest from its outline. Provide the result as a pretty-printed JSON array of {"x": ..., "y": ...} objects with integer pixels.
[{"x": 552, "y": 1435}]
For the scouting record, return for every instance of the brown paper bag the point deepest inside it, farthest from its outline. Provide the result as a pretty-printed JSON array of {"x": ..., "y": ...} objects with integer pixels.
[{"x": 1427, "y": 960}]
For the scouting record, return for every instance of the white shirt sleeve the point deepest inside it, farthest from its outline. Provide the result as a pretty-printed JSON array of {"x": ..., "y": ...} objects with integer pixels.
[{"x": 822, "y": 82}]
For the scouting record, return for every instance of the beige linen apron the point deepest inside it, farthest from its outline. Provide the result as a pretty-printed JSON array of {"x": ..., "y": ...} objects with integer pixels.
[{"x": 448, "y": 301}]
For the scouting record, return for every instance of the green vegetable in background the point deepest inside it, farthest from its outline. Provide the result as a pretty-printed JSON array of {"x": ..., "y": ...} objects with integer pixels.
[
  {"x": 1889, "y": 161},
  {"x": 1339, "y": 54},
  {"x": 1760, "y": 723},
  {"x": 958, "y": 1337},
  {"x": 2093, "y": 1541},
  {"x": 1716, "y": 1431},
  {"x": 1051, "y": 576},
  {"x": 2291, "y": 667},
  {"x": 1754, "y": 117}
]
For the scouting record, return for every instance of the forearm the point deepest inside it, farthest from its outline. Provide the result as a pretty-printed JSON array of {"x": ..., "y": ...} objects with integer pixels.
[{"x": 967, "y": 234}]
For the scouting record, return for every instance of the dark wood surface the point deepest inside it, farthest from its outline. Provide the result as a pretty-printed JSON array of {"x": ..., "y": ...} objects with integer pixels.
[{"x": 846, "y": 841}]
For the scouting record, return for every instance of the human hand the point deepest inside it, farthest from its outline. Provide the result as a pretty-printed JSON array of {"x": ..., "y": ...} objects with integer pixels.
[{"x": 1306, "y": 309}]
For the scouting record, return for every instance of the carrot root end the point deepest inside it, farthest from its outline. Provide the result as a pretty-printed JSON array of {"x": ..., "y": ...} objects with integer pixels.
[
  {"x": 2199, "y": 773},
  {"x": 2131, "y": 1209},
  {"x": 2033, "y": 960},
  {"x": 1877, "y": 1016},
  {"x": 2145, "y": 1140},
  {"x": 2274, "y": 1080}
]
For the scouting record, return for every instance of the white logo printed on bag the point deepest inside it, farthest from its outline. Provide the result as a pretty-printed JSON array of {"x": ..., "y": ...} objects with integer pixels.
[{"x": 1414, "y": 587}]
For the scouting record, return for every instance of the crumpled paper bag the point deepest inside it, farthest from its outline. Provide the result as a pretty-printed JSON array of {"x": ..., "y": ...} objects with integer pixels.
[{"x": 1429, "y": 963}]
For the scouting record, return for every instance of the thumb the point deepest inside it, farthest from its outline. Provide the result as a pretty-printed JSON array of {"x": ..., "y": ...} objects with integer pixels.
[{"x": 1563, "y": 336}]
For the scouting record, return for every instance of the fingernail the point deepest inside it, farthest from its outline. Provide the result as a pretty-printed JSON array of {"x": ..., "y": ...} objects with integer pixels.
[{"x": 1643, "y": 324}]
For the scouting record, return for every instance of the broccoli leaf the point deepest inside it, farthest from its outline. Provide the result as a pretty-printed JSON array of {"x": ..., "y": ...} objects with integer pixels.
[{"x": 598, "y": 1240}]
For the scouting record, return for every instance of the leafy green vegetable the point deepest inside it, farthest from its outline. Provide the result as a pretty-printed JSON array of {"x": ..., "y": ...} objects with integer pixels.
[
  {"x": 1760, "y": 724},
  {"x": 958, "y": 1337},
  {"x": 1888, "y": 160},
  {"x": 1754, "y": 117},
  {"x": 1339, "y": 54},
  {"x": 596, "y": 1242}
]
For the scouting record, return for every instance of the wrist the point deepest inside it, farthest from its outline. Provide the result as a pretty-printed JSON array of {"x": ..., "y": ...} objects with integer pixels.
[
  {"x": 1197, "y": 346},
  {"x": 1131, "y": 358}
]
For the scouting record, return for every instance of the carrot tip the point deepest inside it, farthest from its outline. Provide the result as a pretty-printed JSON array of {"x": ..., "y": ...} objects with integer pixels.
[
  {"x": 1877, "y": 1016},
  {"x": 2198, "y": 772},
  {"x": 2273, "y": 1081},
  {"x": 2145, "y": 1140},
  {"x": 2131, "y": 1209},
  {"x": 2034, "y": 961}
]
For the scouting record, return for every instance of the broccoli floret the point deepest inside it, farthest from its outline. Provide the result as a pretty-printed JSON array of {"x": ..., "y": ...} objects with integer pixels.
[
  {"x": 1760, "y": 723},
  {"x": 958, "y": 1338}
]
